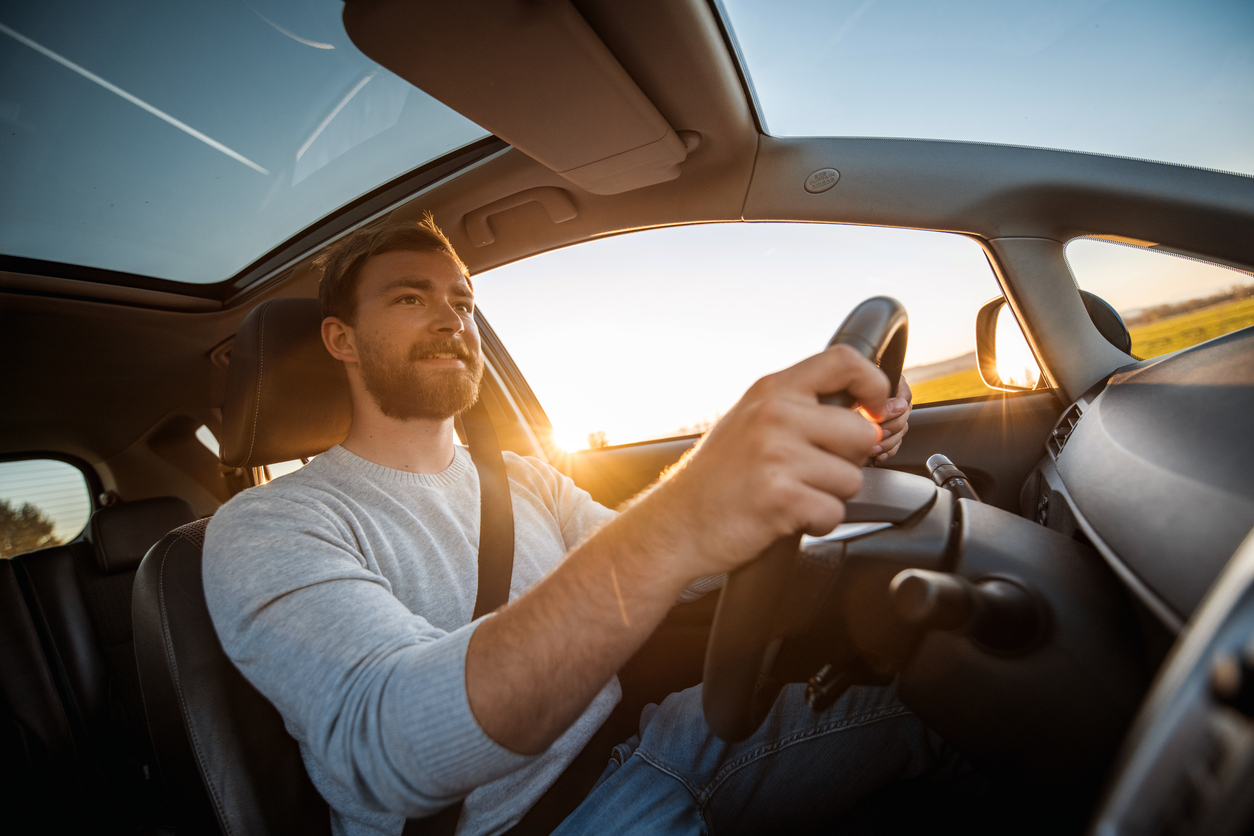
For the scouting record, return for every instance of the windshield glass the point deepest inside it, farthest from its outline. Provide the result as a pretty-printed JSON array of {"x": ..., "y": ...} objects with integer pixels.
[
  {"x": 185, "y": 140},
  {"x": 1151, "y": 79}
]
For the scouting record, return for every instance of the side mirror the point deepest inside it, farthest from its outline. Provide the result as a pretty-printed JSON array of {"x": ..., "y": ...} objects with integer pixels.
[
  {"x": 1107, "y": 321},
  {"x": 1004, "y": 358}
]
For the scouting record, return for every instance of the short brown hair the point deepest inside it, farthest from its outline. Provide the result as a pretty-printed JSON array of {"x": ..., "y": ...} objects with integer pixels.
[{"x": 341, "y": 264}]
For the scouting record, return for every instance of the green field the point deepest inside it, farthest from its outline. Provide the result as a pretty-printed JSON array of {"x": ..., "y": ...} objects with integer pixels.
[
  {"x": 950, "y": 387},
  {"x": 1148, "y": 340},
  {"x": 1167, "y": 335}
]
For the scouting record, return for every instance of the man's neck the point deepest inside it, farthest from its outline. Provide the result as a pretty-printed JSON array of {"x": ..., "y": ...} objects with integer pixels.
[{"x": 416, "y": 446}]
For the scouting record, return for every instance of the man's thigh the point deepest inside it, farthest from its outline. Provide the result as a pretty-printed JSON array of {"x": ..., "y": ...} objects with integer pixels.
[{"x": 799, "y": 769}]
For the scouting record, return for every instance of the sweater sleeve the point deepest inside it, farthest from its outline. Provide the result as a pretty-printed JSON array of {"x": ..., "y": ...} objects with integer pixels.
[{"x": 375, "y": 693}]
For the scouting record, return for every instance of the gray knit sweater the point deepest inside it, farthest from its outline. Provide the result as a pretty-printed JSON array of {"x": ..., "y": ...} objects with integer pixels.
[{"x": 344, "y": 593}]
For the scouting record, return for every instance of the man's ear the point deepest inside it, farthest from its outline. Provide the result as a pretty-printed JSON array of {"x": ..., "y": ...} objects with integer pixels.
[{"x": 338, "y": 337}]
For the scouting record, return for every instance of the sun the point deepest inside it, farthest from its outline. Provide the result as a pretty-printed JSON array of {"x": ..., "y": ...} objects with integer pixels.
[{"x": 569, "y": 441}]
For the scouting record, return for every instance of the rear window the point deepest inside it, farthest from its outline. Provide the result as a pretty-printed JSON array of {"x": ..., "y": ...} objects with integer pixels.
[{"x": 43, "y": 502}]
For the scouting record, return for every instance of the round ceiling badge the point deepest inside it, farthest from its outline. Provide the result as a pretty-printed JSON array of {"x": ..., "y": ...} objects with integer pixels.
[{"x": 822, "y": 180}]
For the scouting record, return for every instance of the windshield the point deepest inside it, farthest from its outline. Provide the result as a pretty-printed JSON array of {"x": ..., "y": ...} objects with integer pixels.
[
  {"x": 1151, "y": 79},
  {"x": 185, "y": 140}
]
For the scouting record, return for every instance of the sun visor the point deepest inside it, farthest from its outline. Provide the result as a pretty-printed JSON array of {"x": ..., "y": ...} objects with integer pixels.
[{"x": 534, "y": 73}]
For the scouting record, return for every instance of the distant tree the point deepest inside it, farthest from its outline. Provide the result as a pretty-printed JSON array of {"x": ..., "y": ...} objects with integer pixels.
[
  {"x": 24, "y": 530},
  {"x": 597, "y": 440}
]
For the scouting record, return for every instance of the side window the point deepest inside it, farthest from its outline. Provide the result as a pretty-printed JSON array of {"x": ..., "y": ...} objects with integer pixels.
[
  {"x": 1168, "y": 302},
  {"x": 43, "y": 502},
  {"x": 657, "y": 333}
]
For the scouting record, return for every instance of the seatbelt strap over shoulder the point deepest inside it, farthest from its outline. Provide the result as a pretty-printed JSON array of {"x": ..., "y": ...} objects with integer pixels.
[
  {"x": 496, "y": 558},
  {"x": 496, "y": 511}
]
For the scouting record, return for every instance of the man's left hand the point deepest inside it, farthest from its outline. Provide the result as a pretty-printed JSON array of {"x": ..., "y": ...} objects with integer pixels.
[{"x": 896, "y": 424}]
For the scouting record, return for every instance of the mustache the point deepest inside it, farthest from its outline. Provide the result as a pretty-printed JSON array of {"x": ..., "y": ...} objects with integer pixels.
[{"x": 428, "y": 350}]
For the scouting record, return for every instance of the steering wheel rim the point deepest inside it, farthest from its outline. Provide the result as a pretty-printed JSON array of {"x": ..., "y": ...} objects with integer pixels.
[{"x": 743, "y": 638}]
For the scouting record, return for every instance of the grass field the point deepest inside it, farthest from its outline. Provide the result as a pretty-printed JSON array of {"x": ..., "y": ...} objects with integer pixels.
[{"x": 1148, "y": 340}]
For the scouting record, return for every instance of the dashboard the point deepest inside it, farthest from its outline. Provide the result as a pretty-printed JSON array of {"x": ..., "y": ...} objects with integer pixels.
[{"x": 1156, "y": 468}]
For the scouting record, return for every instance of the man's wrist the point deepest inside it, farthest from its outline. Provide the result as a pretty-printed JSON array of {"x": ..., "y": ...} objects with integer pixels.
[{"x": 665, "y": 538}]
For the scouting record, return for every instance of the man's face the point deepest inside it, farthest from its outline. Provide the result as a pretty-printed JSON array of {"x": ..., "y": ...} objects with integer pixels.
[{"x": 416, "y": 338}]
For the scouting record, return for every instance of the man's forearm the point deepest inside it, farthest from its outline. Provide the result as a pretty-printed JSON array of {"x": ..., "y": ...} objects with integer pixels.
[{"x": 534, "y": 667}]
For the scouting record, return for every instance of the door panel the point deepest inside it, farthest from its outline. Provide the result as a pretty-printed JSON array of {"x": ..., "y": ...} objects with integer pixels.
[
  {"x": 996, "y": 441},
  {"x": 614, "y": 475}
]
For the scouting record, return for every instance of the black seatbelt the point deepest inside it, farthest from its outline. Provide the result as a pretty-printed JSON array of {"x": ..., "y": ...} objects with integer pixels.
[
  {"x": 496, "y": 558},
  {"x": 496, "y": 567},
  {"x": 496, "y": 511}
]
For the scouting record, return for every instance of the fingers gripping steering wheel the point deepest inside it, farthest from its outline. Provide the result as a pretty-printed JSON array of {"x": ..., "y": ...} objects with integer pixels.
[{"x": 746, "y": 632}]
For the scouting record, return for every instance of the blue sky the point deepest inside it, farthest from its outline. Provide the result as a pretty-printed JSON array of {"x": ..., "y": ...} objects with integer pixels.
[
  {"x": 183, "y": 140},
  {"x": 1166, "y": 81}
]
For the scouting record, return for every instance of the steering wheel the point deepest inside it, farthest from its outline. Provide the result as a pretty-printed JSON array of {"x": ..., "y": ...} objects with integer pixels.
[{"x": 745, "y": 635}]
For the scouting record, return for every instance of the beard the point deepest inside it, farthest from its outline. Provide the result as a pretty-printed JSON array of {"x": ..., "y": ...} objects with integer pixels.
[{"x": 406, "y": 391}]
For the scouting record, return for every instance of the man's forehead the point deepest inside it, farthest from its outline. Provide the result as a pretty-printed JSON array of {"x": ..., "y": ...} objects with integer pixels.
[{"x": 419, "y": 269}]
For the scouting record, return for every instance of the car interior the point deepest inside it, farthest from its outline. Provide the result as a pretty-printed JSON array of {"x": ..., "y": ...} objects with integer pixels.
[{"x": 1073, "y": 610}]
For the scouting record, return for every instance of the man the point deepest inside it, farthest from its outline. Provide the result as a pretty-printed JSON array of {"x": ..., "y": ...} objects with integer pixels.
[{"x": 344, "y": 591}]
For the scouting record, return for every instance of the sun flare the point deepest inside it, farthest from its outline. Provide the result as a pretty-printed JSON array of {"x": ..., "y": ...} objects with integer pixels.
[{"x": 569, "y": 441}]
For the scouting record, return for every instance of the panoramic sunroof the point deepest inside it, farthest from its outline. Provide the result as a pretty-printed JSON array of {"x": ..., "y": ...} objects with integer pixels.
[
  {"x": 183, "y": 141},
  {"x": 1153, "y": 79}
]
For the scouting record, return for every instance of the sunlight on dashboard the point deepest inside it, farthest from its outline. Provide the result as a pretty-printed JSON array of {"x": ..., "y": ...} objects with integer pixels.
[{"x": 1015, "y": 364}]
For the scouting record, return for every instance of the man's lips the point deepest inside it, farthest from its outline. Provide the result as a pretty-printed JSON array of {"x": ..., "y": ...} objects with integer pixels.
[{"x": 442, "y": 359}]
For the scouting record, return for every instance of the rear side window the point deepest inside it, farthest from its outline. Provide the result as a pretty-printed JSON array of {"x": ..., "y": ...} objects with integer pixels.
[
  {"x": 43, "y": 502},
  {"x": 1168, "y": 302}
]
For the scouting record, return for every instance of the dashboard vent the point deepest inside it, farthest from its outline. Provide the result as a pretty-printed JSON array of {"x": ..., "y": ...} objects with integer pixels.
[{"x": 1062, "y": 431}]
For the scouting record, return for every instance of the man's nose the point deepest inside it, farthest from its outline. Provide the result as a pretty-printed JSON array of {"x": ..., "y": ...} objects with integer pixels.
[{"x": 446, "y": 320}]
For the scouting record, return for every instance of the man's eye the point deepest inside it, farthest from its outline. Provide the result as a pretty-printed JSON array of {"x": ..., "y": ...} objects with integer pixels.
[
  {"x": 464, "y": 307},
  {"x": 408, "y": 300}
]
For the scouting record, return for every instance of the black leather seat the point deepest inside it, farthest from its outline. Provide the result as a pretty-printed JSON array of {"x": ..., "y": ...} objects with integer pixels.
[
  {"x": 86, "y": 739},
  {"x": 227, "y": 760},
  {"x": 40, "y": 766}
]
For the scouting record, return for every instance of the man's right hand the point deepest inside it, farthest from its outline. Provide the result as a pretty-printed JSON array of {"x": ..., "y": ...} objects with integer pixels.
[{"x": 777, "y": 463}]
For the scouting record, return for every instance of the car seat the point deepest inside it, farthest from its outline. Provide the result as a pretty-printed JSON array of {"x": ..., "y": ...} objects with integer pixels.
[{"x": 226, "y": 758}]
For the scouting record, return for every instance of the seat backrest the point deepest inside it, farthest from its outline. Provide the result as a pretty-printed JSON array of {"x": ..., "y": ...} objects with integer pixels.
[
  {"x": 78, "y": 597},
  {"x": 40, "y": 766},
  {"x": 226, "y": 758}
]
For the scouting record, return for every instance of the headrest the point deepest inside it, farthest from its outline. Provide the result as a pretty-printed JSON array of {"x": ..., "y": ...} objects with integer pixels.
[
  {"x": 123, "y": 533},
  {"x": 286, "y": 397}
]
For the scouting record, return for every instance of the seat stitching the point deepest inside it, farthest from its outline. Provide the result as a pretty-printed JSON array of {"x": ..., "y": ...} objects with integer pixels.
[
  {"x": 261, "y": 371},
  {"x": 178, "y": 690}
]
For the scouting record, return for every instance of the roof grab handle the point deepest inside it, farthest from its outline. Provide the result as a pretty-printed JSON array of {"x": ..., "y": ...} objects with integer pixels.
[{"x": 555, "y": 201}]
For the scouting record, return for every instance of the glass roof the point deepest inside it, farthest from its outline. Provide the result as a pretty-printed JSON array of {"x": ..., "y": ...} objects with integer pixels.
[
  {"x": 185, "y": 140},
  {"x": 1151, "y": 79}
]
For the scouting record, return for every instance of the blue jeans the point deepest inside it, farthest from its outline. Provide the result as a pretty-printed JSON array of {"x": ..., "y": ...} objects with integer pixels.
[{"x": 801, "y": 769}]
